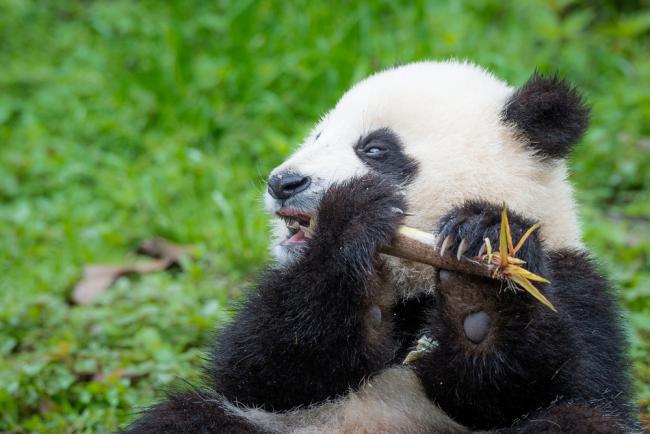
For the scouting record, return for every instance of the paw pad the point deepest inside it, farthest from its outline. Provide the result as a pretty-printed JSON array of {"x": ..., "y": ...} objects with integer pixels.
[{"x": 476, "y": 326}]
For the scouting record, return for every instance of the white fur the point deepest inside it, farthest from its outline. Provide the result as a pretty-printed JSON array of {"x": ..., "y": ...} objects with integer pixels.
[
  {"x": 393, "y": 402},
  {"x": 447, "y": 115}
]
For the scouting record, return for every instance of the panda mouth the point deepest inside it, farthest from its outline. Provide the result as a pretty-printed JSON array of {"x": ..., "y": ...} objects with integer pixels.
[{"x": 300, "y": 225}]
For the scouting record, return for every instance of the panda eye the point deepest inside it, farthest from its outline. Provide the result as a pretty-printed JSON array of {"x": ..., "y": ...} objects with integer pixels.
[
  {"x": 381, "y": 150},
  {"x": 377, "y": 145},
  {"x": 374, "y": 151}
]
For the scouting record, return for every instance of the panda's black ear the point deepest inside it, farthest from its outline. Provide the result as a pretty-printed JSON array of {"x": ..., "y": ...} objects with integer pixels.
[{"x": 550, "y": 113}]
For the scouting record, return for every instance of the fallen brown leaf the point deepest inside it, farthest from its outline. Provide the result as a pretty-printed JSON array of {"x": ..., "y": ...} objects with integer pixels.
[
  {"x": 161, "y": 248},
  {"x": 97, "y": 278}
]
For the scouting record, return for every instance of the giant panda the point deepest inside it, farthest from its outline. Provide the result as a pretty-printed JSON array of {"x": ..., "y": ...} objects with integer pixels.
[{"x": 318, "y": 345}]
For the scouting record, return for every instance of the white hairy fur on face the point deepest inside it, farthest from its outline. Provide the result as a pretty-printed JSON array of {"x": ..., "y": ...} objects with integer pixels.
[{"x": 448, "y": 118}]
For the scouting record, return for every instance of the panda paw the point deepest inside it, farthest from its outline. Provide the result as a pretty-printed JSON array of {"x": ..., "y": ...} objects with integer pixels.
[
  {"x": 463, "y": 230},
  {"x": 357, "y": 217}
]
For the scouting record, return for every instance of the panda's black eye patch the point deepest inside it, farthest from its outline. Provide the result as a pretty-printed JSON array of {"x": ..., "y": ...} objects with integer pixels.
[
  {"x": 382, "y": 150},
  {"x": 374, "y": 151}
]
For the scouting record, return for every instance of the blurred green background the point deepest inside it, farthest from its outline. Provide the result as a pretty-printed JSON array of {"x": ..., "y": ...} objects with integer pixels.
[{"x": 124, "y": 120}]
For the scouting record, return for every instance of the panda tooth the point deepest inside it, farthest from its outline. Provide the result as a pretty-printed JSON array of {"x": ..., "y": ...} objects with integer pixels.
[
  {"x": 462, "y": 248},
  {"x": 307, "y": 231},
  {"x": 293, "y": 225},
  {"x": 312, "y": 223}
]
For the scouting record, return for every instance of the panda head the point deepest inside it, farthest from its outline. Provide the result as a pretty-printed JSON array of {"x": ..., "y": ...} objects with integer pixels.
[{"x": 447, "y": 132}]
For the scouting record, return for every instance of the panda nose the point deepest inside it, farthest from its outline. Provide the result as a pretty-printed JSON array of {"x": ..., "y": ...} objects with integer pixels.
[{"x": 285, "y": 185}]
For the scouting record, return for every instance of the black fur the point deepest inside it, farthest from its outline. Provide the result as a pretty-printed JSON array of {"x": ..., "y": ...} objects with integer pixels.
[
  {"x": 392, "y": 161},
  {"x": 477, "y": 220},
  {"x": 309, "y": 332},
  {"x": 408, "y": 317},
  {"x": 303, "y": 334},
  {"x": 550, "y": 113},
  {"x": 192, "y": 412},
  {"x": 532, "y": 357},
  {"x": 568, "y": 417},
  {"x": 301, "y": 337}
]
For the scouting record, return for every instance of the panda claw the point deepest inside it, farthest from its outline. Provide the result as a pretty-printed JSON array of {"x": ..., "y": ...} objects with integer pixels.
[
  {"x": 445, "y": 244},
  {"x": 483, "y": 249},
  {"x": 462, "y": 248}
]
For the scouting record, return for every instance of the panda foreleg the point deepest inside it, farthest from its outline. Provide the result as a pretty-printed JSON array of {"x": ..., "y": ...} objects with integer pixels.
[
  {"x": 318, "y": 327},
  {"x": 497, "y": 349}
]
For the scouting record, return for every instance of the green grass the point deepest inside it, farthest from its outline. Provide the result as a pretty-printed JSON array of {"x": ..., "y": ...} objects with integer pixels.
[{"x": 123, "y": 120}]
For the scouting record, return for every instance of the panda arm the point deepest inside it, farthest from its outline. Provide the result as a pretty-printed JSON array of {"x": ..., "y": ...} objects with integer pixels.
[
  {"x": 502, "y": 354},
  {"x": 315, "y": 329}
]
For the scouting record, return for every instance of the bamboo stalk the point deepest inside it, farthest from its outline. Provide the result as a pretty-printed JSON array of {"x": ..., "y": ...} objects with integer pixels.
[
  {"x": 415, "y": 245},
  {"x": 419, "y": 246}
]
